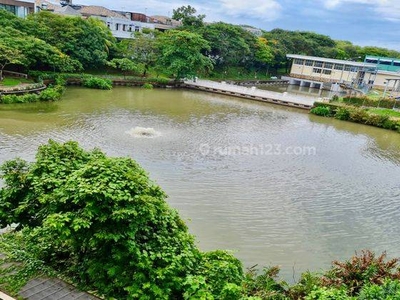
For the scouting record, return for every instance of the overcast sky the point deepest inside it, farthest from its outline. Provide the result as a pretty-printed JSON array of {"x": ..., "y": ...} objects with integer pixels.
[{"x": 363, "y": 22}]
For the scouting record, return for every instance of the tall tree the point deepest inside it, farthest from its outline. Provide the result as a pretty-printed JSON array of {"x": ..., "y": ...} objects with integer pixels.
[
  {"x": 186, "y": 14},
  {"x": 142, "y": 49},
  {"x": 181, "y": 53}
]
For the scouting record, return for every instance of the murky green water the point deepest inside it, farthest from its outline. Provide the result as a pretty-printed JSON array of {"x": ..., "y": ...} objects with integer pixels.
[{"x": 277, "y": 185}]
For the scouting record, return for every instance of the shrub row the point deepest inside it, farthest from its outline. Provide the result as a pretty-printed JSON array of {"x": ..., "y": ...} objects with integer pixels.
[
  {"x": 38, "y": 75},
  {"x": 26, "y": 87},
  {"x": 49, "y": 94},
  {"x": 366, "y": 101},
  {"x": 355, "y": 114}
]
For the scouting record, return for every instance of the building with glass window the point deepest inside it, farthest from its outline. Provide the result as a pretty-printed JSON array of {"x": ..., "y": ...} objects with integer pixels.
[
  {"x": 19, "y": 8},
  {"x": 331, "y": 74},
  {"x": 327, "y": 73},
  {"x": 384, "y": 63}
]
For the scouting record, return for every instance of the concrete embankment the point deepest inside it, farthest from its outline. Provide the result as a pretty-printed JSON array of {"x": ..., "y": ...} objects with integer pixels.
[{"x": 252, "y": 93}]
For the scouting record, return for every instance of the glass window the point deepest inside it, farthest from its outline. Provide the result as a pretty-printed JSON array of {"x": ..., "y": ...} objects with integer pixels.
[
  {"x": 10, "y": 8},
  {"x": 347, "y": 68},
  {"x": 315, "y": 70},
  {"x": 328, "y": 66},
  {"x": 318, "y": 64},
  {"x": 309, "y": 62},
  {"x": 338, "y": 67},
  {"x": 385, "y": 62},
  {"x": 396, "y": 64},
  {"x": 371, "y": 61},
  {"x": 327, "y": 72},
  {"x": 298, "y": 61}
]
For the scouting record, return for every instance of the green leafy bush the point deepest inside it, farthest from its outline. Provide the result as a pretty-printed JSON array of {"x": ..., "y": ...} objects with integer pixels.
[
  {"x": 308, "y": 282},
  {"x": 328, "y": 294},
  {"x": 105, "y": 224},
  {"x": 389, "y": 290},
  {"x": 342, "y": 113},
  {"x": 324, "y": 111},
  {"x": 97, "y": 83},
  {"x": 52, "y": 93},
  {"x": 264, "y": 285},
  {"x": 148, "y": 86},
  {"x": 358, "y": 115}
]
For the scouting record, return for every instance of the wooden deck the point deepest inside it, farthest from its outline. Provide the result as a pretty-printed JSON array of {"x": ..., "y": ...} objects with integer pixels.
[{"x": 252, "y": 93}]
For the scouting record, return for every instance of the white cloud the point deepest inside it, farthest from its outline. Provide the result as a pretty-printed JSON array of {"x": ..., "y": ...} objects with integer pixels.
[
  {"x": 261, "y": 9},
  {"x": 385, "y": 9}
]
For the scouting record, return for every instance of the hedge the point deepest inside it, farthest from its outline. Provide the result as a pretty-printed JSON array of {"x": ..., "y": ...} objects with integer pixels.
[
  {"x": 366, "y": 101},
  {"x": 355, "y": 114}
]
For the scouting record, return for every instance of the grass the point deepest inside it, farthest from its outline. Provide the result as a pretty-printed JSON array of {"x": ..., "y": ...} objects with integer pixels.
[
  {"x": 385, "y": 112},
  {"x": 11, "y": 81}
]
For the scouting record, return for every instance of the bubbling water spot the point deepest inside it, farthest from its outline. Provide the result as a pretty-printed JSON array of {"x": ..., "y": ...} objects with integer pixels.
[{"x": 142, "y": 132}]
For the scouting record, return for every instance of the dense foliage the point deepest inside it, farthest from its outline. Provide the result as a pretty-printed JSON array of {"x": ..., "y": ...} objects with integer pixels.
[
  {"x": 356, "y": 114},
  {"x": 106, "y": 224},
  {"x": 97, "y": 83}
]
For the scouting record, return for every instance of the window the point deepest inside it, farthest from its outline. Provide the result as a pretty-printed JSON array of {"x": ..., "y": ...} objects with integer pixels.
[
  {"x": 309, "y": 62},
  {"x": 328, "y": 66},
  {"x": 347, "y": 68},
  {"x": 124, "y": 27},
  {"x": 396, "y": 64},
  {"x": 137, "y": 28},
  {"x": 338, "y": 67},
  {"x": 318, "y": 64},
  {"x": 10, "y": 8},
  {"x": 315, "y": 70},
  {"x": 385, "y": 62},
  {"x": 327, "y": 72},
  {"x": 371, "y": 61},
  {"x": 298, "y": 61}
]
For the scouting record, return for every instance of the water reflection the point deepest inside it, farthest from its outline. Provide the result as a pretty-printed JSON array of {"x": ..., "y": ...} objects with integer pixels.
[{"x": 298, "y": 90}]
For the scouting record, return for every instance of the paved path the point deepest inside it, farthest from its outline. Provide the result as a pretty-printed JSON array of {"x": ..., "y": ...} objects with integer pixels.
[
  {"x": 252, "y": 93},
  {"x": 52, "y": 289},
  {"x": 45, "y": 288}
]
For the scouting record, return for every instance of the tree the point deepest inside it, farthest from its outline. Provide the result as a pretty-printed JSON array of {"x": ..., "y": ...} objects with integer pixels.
[
  {"x": 181, "y": 53},
  {"x": 228, "y": 47},
  {"x": 142, "y": 49},
  {"x": 124, "y": 64},
  {"x": 86, "y": 40},
  {"x": 9, "y": 55},
  {"x": 186, "y": 14},
  {"x": 36, "y": 52}
]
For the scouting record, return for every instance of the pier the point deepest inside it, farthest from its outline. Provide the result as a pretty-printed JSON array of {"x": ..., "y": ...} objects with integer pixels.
[{"x": 252, "y": 93}]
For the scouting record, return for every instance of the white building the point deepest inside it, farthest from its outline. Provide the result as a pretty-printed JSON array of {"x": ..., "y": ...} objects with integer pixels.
[
  {"x": 327, "y": 73},
  {"x": 19, "y": 8}
]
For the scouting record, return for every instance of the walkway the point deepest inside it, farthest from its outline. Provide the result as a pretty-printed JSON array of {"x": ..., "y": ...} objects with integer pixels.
[{"x": 252, "y": 93}]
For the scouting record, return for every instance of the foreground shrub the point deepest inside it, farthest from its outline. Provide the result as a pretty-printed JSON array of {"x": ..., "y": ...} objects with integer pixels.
[
  {"x": 308, "y": 282},
  {"x": 389, "y": 290},
  {"x": 328, "y": 294},
  {"x": 264, "y": 285},
  {"x": 361, "y": 270},
  {"x": 97, "y": 83},
  {"x": 103, "y": 222}
]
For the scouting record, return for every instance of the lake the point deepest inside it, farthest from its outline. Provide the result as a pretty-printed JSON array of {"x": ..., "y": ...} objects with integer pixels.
[{"x": 274, "y": 184}]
